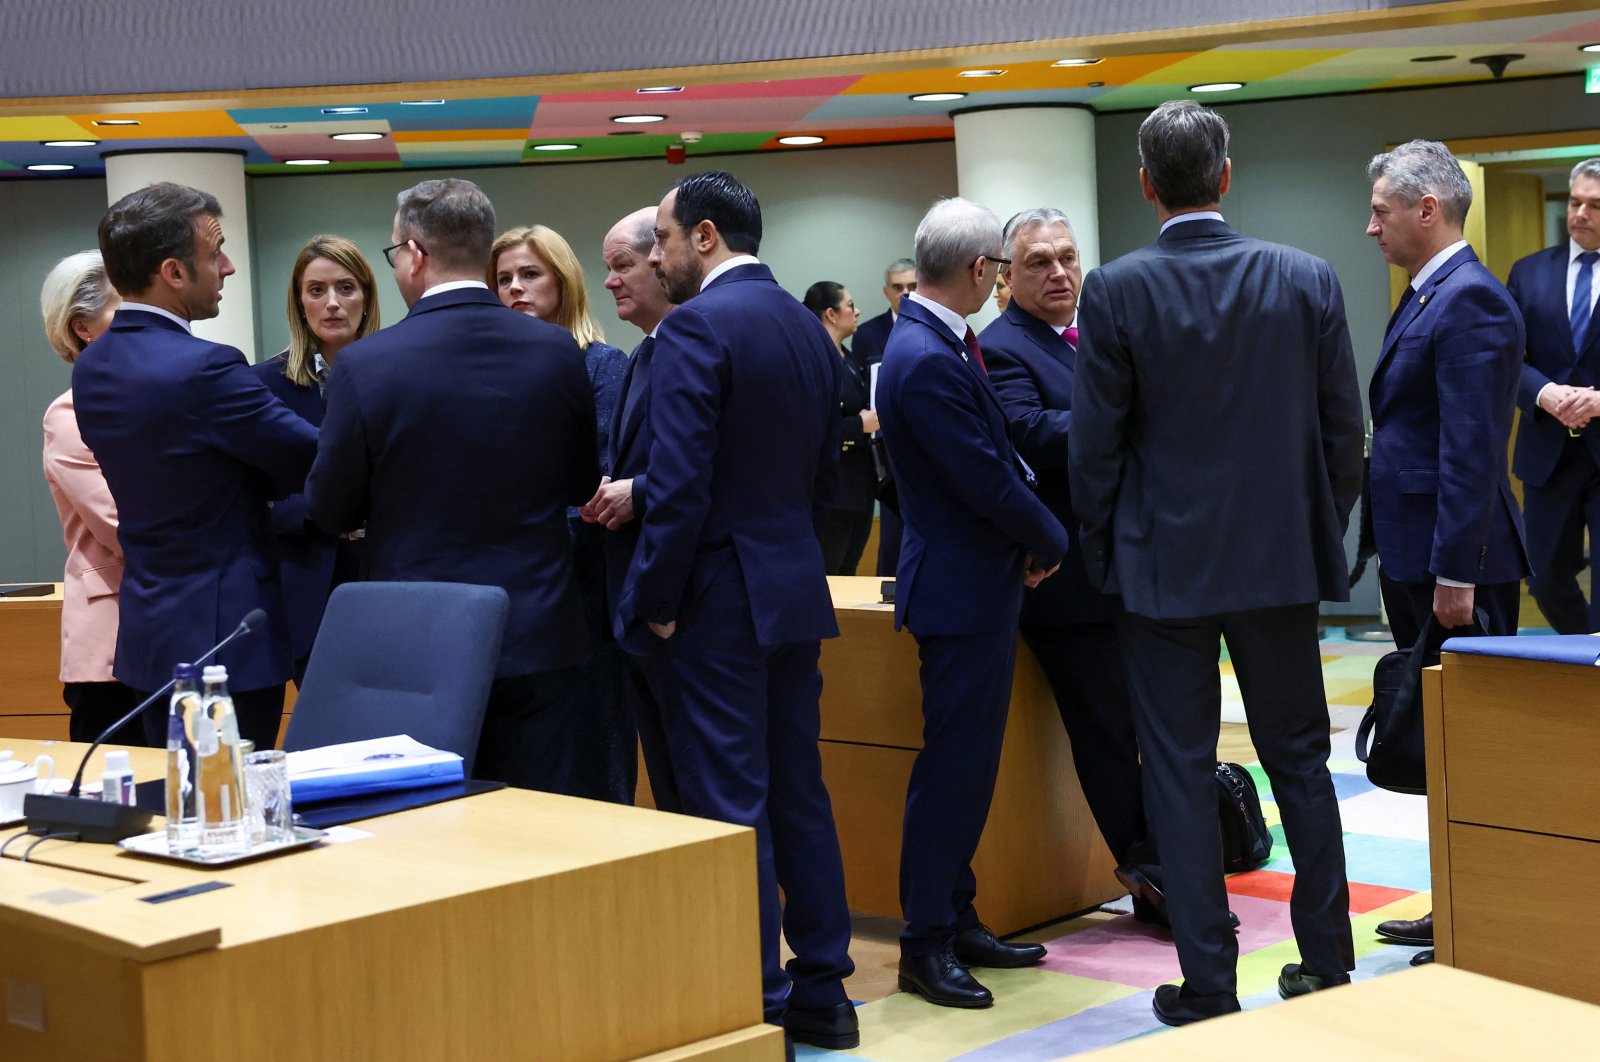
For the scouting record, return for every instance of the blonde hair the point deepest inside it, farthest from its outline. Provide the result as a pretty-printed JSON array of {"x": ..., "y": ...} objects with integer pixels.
[
  {"x": 299, "y": 365},
  {"x": 75, "y": 289},
  {"x": 572, "y": 305}
]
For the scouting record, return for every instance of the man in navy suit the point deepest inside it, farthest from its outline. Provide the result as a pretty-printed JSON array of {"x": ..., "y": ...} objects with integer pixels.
[
  {"x": 974, "y": 537},
  {"x": 458, "y": 438},
  {"x": 1558, "y": 456},
  {"x": 1216, "y": 455},
  {"x": 726, "y": 599},
  {"x": 866, "y": 350},
  {"x": 193, "y": 447},
  {"x": 620, "y": 501},
  {"x": 1446, "y": 524},
  {"x": 1070, "y": 626}
]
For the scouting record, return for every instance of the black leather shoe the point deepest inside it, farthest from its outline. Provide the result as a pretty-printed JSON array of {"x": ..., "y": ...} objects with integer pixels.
[
  {"x": 979, "y": 946},
  {"x": 1179, "y": 1006},
  {"x": 942, "y": 981},
  {"x": 1149, "y": 905},
  {"x": 1418, "y": 933},
  {"x": 1422, "y": 958},
  {"x": 833, "y": 1028},
  {"x": 1296, "y": 980}
]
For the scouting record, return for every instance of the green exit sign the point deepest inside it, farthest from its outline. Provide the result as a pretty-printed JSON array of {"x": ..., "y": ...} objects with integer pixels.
[{"x": 1592, "y": 84}]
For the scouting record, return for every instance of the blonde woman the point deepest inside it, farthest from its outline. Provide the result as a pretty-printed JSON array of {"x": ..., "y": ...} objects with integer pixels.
[
  {"x": 332, "y": 303},
  {"x": 78, "y": 303},
  {"x": 534, "y": 271}
]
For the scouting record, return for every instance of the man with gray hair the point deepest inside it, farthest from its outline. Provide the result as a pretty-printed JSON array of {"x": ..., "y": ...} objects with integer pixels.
[
  {"x": 1558, "y": 454},
  {"x": 1449, "y": 535},
  {"x": 1216, "y": 455},
  {"x": 458, "y": 437},
  {"x": 974, "y": 537},
  {"x": 866, "y": 346}
]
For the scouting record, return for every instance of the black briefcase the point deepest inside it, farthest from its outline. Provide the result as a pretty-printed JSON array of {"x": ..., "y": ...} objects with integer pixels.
[{"x": 1246, "y": 840}]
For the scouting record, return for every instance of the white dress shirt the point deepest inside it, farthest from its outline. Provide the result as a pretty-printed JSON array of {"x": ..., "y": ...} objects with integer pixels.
[
  {"x": 733, "y": 263},
  {"x": 168, "y": 314}
]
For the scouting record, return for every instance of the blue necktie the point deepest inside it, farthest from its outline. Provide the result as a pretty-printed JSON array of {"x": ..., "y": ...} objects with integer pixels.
[{"x": 1581, "y": 297}]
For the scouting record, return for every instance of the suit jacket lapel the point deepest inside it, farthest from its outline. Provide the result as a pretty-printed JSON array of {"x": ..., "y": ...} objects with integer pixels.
[
  {"x": 1419, "y": 302},
  {"x": 1044, "y": 337},
  {"x": 630, "y": 415}
]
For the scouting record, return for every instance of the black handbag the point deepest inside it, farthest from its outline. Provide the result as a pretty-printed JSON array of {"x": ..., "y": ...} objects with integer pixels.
[
  {"x": 1389, "y": 740},
  {"x": 1246, "y": 840}
]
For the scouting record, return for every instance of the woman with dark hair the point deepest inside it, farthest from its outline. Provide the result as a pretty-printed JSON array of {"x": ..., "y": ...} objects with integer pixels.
[
  {"x": 848, "y": 524},
  {"x": 534, "y": 271},
  {"x": 333, "y": 301}
]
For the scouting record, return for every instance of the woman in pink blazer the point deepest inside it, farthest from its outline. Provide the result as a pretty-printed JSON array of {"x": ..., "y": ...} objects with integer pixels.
[{"x": 77, "y": 303}]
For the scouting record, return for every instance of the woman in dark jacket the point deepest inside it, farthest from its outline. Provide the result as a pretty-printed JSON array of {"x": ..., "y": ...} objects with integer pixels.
[{"x": 848, "y": 524}]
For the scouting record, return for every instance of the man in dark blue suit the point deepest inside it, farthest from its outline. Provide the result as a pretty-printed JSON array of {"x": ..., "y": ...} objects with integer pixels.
[
  {"x": 726, "y": 599},
  {"x": 1070, "y": 626},
  {"x": 1446, "y": 524},
  {"x": 866, "y": 350},
  {"x": 458, "y": 438},
  {"x": 1557, "y": 456},
  {"x": 1216, "y": 455},
  {"x": 193, "y": 447},
  {"x": 621, "y": 500},
  {"x": 974, "y": 537}
]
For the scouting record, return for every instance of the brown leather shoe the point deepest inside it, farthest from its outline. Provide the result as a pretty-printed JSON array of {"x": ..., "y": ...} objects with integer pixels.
[{"x": 1417, "y": 933}]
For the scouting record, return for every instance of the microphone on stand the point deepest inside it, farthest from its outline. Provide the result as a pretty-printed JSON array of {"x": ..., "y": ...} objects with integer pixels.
[{"x": 87, "y": 819}]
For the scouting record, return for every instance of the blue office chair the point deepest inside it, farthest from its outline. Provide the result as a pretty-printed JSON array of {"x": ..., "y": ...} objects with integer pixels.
[{"x": 402, "y": 658}]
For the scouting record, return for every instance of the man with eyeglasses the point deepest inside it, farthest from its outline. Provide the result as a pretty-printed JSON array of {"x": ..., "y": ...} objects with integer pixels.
[
  {"x": 974, "y": 537},
  {"x": 458, "y": 437}
]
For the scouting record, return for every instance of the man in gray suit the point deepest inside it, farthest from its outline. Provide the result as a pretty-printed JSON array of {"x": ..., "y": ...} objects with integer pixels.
[{"x": 1216, "y": 454}]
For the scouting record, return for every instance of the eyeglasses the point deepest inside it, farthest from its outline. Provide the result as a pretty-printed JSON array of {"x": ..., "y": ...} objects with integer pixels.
[
  {"x": 996, "y": 259},
  {"x": 388, "y": 252}
]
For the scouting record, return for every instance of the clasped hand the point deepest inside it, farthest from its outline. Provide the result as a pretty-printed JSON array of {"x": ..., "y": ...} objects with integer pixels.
[
  {"x": 1574, "y": 407},
  {"x": 612, "y": 504}
]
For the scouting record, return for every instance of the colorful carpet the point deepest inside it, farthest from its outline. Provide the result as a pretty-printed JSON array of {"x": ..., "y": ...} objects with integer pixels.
[{"x": 1096, "y": 986}]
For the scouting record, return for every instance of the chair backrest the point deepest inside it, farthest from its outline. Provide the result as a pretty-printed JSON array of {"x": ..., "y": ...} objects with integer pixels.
[{"x": 402, "y": 658}]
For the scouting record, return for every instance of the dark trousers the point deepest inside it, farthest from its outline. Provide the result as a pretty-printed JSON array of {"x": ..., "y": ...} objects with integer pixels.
[
  {"x": 1410, "y": 604},
  {"x": 742, "y": 722},
  {"x": 652, "y": 735},
  {"x": 96, "y": 705},
  {"x": 1177, "y": 696},
  {"x": 844, "y": 537},
  {"x": 890, "y": 528},
  {"x": 966, "y": 693},
  {"x": 528, "y": 730},
  {"x": 260, "y": 714},
  {"x": 1556, "y": 516},
  {"x": 1084, "y": 667}
]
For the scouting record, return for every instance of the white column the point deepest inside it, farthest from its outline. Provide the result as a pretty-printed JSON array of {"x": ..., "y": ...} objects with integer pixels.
[
  {"x": 222, "y": 174},
  {"x": 1020, "y": 157}
]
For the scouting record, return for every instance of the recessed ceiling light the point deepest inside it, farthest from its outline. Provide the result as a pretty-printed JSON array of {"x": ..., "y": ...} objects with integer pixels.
[
  {"x": 116, "y": 121},
  {"x": 980, "y": 73},
  {"x": 355, "y": 136},
  {"x": 1590, "y": 48},
  {"x": 1431, "y": 58},
  {"x": 51, "y": 167},
  {"x": 1075, "y": 62},
  {"x": 800, "y": 141},
  {"x": 938, "y": 97},
  {"x": 659, "y": 89},
  {"x": 1217, "y": 86},
  {"x": 420, "y": 103},
  {"x": 555, "y": 147},
  {"x": 305, "y": 162},
  {"x": 69, "y": 143},
  {"x": 344, "y": 110},
  {"x": 639, "y": 119}
]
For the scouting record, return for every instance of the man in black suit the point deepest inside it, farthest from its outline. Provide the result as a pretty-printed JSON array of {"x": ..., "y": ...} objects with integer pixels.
[
  {"x": 458, "y": 437},
  {"x": 1216, "y": 454},
  {"x": 1070, "y": 626},
  {"x": 866, "y": 350}
]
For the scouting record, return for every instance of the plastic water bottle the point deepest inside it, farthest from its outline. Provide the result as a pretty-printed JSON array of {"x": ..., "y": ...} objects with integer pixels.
[
  {"x": 183, "y": 818},
  {"x": 224, "y": 826}
]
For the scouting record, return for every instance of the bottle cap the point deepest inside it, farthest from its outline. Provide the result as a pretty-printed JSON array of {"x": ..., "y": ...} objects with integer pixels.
[
  {"x": 117, "y": 762},
  {"x": 184, "y": 673},
  {"x": 215, "y": 673}
]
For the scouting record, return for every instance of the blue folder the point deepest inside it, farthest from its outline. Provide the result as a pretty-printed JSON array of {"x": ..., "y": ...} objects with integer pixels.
[{"x": 1581, "y": 649}]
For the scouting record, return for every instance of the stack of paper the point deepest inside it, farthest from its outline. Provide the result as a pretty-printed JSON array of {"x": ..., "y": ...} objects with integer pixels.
[{"x": 374, "y": 766}]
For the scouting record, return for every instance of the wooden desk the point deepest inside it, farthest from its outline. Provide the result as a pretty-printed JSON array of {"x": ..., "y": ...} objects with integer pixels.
[
  {"x": 1433, "y": 1012},
  {"x": 509, "y": 925},
  {"x": 1041, "y": 858},
  {"x": 30, "y": 667},
  {"x": 1514, "y": 819}
]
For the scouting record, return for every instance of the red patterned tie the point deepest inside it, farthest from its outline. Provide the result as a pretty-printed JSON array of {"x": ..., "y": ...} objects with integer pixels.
[
  {"x": 977, "y": 354},
  {"x": 1071, "y": 336}
]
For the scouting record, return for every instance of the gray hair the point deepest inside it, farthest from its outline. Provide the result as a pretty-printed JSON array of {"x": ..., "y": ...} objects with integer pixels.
[
  {"x": 951, "y": 236},
  {"x": 75, "y": 289},
  {"x": 1424, "y": 167},
  {"x": 1182, "y": 147},
  {"x": 1587, "y": 168},
  {"x": 451, "y": 219},
  {"x": 899, "y": 265},
  {"x": 1027, "y": 219}
]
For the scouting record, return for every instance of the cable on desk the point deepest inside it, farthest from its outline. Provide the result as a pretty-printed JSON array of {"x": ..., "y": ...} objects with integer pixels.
[
  {"x": 28, "y": 851},
  {"x": 20, "y": 833}
]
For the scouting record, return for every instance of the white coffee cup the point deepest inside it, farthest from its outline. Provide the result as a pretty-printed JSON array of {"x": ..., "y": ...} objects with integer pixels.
[{"x": 18, "y": 778}]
